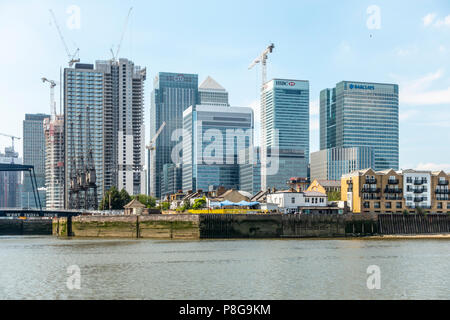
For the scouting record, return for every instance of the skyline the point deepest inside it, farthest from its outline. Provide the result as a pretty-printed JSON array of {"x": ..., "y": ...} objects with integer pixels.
[{"x": 354, "y": 53}]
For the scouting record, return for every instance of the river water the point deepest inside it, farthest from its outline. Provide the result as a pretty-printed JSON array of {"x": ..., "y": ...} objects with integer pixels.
[{"x": 37, "y": 268}]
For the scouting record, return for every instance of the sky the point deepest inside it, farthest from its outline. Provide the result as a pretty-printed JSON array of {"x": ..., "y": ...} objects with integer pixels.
[{"x": 325, "y": 42}]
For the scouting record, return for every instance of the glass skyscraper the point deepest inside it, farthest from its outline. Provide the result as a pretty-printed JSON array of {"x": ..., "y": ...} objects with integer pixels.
[
  {"x": 284, "y": 131},
  {"x": 83, "y": 119},
  {"x": 34, "y": 154},
  {"x": 362, "y": 114},
  {"x": 333, "y": 163},
  {"x": 214, "y": 135},
  {"x": 173, "y": 93}
]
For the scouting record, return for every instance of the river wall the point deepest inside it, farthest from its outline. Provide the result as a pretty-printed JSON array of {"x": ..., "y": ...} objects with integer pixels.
[{"x": 37, "y": 226}]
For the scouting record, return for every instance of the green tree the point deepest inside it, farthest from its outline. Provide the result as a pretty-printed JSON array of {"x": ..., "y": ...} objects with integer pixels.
[
  {"x": 334, "y": 196},
  {"x": 146, "y": 200},
  {"x": 111, "y": 200},
  {"x": 125, "y": 198},
  {"x": 164, "y": 205},
  {"x": 199, "y": 203}
]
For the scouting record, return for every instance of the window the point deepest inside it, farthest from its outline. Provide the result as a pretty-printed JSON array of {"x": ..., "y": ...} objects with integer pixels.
[
  {"x": 307, "y": 200},
  {"x": 388, "y": 205},
  {"x": 377, "y": 205},
  {"x": 292, "y": 200},
  {"x": 439, "y": 205},
  {"x": 399, "y": 205}
]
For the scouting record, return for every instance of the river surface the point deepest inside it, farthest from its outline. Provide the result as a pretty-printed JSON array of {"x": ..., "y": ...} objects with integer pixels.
[{"x": 37, "y": 268}]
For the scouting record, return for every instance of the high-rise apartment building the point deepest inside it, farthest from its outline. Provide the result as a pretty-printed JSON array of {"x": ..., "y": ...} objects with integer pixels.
[
  {"x": 124, "y": 125},
  {"x": 173, "y": 93},
  {"x": 212, "y": 93},
  {"x": 213, "y": 138},
  {"x": 54, "y": 161},
  {"x": 34, "y": 154},
  {"x": 362, "y": 114},
  {"x": 84, "y": 119},
  {"x": 284, "y": 131},
  {"x": 104, "y": 113}
]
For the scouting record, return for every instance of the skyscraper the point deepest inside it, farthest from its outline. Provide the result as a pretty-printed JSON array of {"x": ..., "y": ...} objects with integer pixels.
[
  {"x": 284, "y": 131},
  {"x": 34, "y": 154},
  {"x": 213, "y": 138},
  {"x": 84, "y": 119},
  {"x": 10, "y": 181},
  {"x": 362, "y": 114},
  {"x": 104, "y": 112},
  {"x": 333, "y": 163},
  {"x": 124, "y": 125},
  {"x": 54, "y": 161},
  {"x": 212, "y": 93},
  {"x": 172, "y": 94}
]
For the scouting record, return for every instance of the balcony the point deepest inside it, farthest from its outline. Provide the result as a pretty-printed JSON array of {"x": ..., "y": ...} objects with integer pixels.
[
  {"x": 419, "y": 190},
  {"x": 393, "y": 181},
  {"x": 440, "y": 191},
  {"x": 392, "y": 190},
  {"x": 370, "y": 190},
  {"x": 443, "y": 183},
  {"x": 418, "y": 199},
  {"x": 371, "y": 180},
  {"x": 419, "y": 182}
]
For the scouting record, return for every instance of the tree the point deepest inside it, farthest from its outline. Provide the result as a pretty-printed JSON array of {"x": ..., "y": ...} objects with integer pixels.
[
  {"x": 125, "y": 198},
  {"x": 199, "y": 203},
  {"x": 111, "y": 200},
  {"x": 334, "y": 196},
  {"x": 146, "y": 200}
]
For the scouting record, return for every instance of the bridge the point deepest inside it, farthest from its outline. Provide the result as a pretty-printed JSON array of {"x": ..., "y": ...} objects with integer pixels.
[{"x": 29, "y": 213}]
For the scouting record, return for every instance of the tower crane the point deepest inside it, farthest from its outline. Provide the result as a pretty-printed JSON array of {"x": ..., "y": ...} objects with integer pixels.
[
  {"x": 71, "y": 57},
  {"x": 262, "y": 58},
  {"x": 12, "y": 139},
  {"x": 115, "y": 56},
  {"x": 52, "y": 95},
  {"x": 152, "y": 145}
]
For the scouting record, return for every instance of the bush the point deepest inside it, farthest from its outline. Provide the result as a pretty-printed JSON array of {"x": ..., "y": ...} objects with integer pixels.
[{"x": 199, "y": 203}]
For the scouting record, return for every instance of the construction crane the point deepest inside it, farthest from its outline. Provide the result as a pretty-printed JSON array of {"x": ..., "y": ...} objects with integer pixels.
[
  {"x": 152, "y": 146},
  {"x": 262, "y": 58},
  {"x": 52, "y": 95},
  {"x": 115, "y": 56},
  {"x": 12, "y": 139},
  {"x": 71, "y": 57}
]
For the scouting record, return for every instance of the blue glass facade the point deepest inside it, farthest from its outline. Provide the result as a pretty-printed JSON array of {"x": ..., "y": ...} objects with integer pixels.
[
  {"x": 362, "y": 114},
  {"x": 173, "y": 93},
  {"x": 213, "y": 138},
  {"x": 284, "y": 130}
]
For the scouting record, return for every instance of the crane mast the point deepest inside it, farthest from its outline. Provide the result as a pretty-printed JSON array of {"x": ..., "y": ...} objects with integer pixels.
[
  {"x": 71, "y": 56},
  {"x": 115, "y": 55},
  {"x": 52, "y": 95},
  {"x": 12, "y": 139},
  {"x": 262, "y": 59}
]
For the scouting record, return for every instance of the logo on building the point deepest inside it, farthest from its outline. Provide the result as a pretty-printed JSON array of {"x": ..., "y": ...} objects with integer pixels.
[
  {"x": 285, "y": 83},
  {"x": 179, "y": 77},
  {"x": 361, "y": 86}
]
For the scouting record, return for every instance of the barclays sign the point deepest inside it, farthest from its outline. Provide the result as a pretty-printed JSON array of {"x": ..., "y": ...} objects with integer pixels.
[{"x": 361, "y": 87}]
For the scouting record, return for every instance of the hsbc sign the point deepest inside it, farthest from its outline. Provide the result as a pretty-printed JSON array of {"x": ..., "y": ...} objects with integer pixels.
[{"x": 285, "y": 83}]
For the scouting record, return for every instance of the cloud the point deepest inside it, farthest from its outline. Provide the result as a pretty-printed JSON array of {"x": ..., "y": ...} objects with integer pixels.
[
  {"x": 415, "y": 92},
  {"x": 407, "y": 114},
  {"x": 428, "y": 19},
  {"x": 430, "y": 166},
  {"x": 443, "y": 22},
  {"x": 404, "y": 52}
]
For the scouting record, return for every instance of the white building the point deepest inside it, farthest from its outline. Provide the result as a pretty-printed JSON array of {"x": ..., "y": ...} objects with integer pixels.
[
  {"x": 417, "y": 188},
  {"x": 290, "y": 201}
]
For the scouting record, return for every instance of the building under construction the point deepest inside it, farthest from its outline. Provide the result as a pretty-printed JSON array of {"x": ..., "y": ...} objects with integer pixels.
[{"x": 54, "y": 161}]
